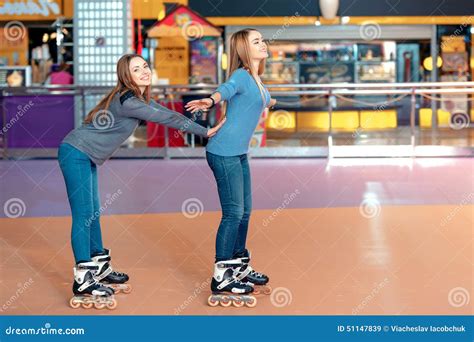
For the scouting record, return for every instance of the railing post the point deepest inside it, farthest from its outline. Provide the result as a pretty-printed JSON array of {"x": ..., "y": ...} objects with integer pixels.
[
  {"x": 434, "y": 75},
  {"x": 167, "y": 138},
  {"x": 5, "y": 134},
  {"x": 330, "y": 124},
  {"x": 412, "y": 120}
]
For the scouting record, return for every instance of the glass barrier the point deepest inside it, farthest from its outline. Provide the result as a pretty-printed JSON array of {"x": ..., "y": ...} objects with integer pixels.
[{"x": 322, "y": 120}]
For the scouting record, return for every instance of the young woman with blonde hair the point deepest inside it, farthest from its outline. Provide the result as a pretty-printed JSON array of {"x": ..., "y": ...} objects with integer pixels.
[{"x": 246, "y": 99}]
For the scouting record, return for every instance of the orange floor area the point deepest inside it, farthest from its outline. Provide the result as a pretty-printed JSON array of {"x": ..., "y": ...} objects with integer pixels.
[{"x": 407, "y": 260}]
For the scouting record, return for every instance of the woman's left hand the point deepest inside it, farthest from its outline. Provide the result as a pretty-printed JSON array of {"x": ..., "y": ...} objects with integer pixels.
[
  {"x": 212, "y": 131},
  {"x": 196, "y": 105}
]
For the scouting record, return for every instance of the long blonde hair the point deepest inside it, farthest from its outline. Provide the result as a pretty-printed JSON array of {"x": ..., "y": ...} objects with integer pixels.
[
  {"x": 124, "y": 84},
  {"x": 239, "y": 51}
]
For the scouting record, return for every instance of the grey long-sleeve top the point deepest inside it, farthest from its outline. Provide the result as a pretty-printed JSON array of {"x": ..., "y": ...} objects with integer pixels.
[{"x": 102, "y": 137}]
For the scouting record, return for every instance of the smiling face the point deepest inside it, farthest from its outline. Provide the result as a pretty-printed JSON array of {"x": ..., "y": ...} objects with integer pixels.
[
  {"x": 257, "y": 47},
  {"x": 140, "y": 72}
]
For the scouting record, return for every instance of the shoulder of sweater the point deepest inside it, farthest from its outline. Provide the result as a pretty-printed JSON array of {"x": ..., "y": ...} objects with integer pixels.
[
  {"x": 240, "y": 72},
  {"x": 241, "y": 76},
  {"x": 125, "y": 96}
]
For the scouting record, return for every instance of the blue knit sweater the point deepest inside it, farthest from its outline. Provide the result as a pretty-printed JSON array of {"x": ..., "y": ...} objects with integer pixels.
[{"x": 244, "y": 108}]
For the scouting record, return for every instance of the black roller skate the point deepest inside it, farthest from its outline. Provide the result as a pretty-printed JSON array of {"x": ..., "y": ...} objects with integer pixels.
[
  {"x": 88, "y": 292},
  {"x": 246, "y": 274},
  {"x": 226, "y": 289},
  {"x": 108, "y": 276}
]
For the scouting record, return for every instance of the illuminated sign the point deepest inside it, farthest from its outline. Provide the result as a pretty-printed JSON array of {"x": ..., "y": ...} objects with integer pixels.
[{"x": 45, "y": 8}]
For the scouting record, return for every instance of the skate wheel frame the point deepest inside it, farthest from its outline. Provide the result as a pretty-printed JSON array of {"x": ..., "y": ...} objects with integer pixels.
[
  {"x": 87, "y": 305},
  {"x": 252, "y": 302},
  {"x": 262, "y": 289},
  {"x": 226, "y": 301},
  {"x": 74, "y": 303},
  {"x": 87, "y": 302},
  {"x": 237, "y": 301},
  {"x": 212, "y": 301},
  {"x": 118, "y": 288}
]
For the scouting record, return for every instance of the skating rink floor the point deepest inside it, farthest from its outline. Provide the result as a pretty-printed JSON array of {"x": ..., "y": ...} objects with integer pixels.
[{"x": 339, "y": 237}]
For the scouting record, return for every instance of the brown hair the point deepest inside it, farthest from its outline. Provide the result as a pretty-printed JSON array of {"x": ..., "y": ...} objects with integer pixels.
[{"x": 124, "y": 84}]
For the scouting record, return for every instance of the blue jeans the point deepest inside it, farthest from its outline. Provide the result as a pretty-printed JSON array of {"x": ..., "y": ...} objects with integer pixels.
[
  {"x": 232, "y": 175},
  {"x": 80, "y": 175}
]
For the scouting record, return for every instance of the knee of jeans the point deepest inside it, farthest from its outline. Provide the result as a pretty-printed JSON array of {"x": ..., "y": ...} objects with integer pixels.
[
  {"x": 235, "y": 213},
  {"x": 246, "y": 214},
  {"x": 85, "y": 219}
]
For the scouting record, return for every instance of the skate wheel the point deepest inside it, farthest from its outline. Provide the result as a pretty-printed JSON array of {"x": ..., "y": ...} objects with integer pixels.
[
  {"x": 268, "y": 290},
  {"x": 128, "y": 289},
  {"x": 87, "y": 305},
  {"x": 99, "y": 305},
  {"x": 212, "y": 302},
  {"x": 74, "y": 303},
  {"x": 256, "y": 292},
  {"x": 226, "y": 301},
  {"x": 252, "y": 302},
  {"x": 238, "y": 303},
  {"x": 112, "y": 304}
]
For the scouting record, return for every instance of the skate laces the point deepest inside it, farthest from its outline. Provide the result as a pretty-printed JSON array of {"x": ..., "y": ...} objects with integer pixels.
[
  {"x": 237, "y": 280},
  {"x": 120, "y": 274},
  {"x": 254, "y": 273},
  {"x": 257, "y": 274},
  {"x": 241, "y": 283}
]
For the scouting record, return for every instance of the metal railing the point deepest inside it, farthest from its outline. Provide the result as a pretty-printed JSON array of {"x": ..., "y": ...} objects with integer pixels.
[{"x": 431, "y": 91}]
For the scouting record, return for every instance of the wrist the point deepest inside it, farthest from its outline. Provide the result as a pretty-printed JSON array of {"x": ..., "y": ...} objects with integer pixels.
[{"x": 213, "y": 102}]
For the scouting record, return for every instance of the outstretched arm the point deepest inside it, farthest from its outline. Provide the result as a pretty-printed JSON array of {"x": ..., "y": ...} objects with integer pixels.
[
  {"x": 155, "y": 112},
  {"x": 235, "y": 85}
]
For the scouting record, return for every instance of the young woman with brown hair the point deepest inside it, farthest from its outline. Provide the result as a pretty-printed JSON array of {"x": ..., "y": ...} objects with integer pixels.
[{"x": 105, "y": 128}]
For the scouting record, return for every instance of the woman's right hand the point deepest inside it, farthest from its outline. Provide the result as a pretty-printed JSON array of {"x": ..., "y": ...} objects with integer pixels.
[
  {"x": 212, "y": 131},
  {"x": 196, "y": 105}
]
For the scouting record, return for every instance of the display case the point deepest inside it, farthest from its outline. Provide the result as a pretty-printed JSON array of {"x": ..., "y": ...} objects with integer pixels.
[
  {"x": 326, "y": 72},
  {"x": 376, "y": 71},
  {"x": 281, "y": 72},
  {"x": 332, "y": 62},
  {"x": 376, "y": 62}
]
